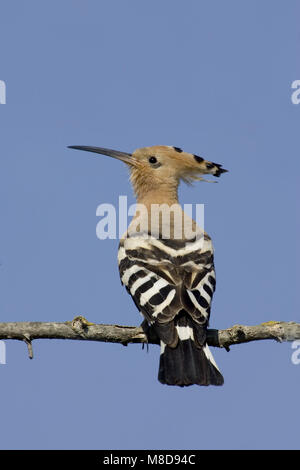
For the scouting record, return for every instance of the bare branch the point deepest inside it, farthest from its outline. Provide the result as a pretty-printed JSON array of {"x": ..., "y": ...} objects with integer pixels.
[{"x": 81, "y": 329}]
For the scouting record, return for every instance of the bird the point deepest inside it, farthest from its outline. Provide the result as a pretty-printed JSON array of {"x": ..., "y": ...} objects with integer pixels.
[{"x": 167, "y": 264}]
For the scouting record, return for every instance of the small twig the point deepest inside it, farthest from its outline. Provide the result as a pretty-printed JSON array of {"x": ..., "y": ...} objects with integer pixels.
[{"x": 29, "y": 346}]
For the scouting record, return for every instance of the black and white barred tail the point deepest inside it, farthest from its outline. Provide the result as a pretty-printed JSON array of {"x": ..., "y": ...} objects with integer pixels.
[{"x": 189, "y": 362}]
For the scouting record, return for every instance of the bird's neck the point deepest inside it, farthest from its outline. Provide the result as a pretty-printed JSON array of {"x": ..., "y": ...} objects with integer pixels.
[
  {"x": 167, "y": 195},
  {"x": 158, "y": 212},
  {"x": 151, "y": 191}
]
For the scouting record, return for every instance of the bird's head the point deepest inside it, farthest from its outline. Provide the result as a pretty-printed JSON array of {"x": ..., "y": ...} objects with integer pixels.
[{"x": 153, "y": 168}]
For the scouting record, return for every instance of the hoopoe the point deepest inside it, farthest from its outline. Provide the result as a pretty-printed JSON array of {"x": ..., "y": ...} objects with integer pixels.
[{"x": 170, "y": 278}]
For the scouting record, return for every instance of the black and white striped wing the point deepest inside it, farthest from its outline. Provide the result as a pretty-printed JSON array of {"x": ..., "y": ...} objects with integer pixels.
[
  {"x": 162, "y": 286},
  {"x": 199, "y": 287},
  {"x": 152, "y": 293},
  {"x": 172, "y": 284}
]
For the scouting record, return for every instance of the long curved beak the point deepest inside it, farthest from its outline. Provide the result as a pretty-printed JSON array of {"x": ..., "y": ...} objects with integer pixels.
[{"x": 123, "y": 156}]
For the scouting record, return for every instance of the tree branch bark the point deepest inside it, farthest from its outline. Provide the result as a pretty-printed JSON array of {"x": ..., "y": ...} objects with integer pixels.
[{"x": 81, "y": 329}]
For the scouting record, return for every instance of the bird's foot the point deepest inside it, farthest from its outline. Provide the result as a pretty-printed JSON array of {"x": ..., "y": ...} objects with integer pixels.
[{"x": 150, "y": 333}]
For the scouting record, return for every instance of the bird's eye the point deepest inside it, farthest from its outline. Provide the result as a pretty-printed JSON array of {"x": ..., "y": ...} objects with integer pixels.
[{"x": 152, "y": 160}]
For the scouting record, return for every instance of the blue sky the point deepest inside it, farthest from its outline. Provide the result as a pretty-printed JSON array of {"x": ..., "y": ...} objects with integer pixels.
[{"x": 214, "y": 78}]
